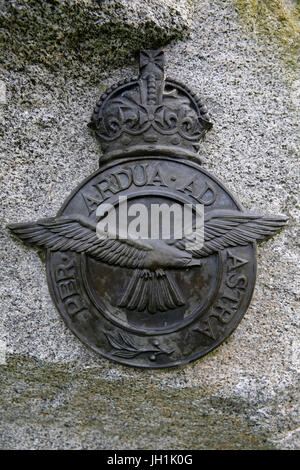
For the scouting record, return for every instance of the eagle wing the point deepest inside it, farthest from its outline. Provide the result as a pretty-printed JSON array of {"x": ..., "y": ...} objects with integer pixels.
[
  {"x": 78, "y": 234},
  {"x": 224, "y": 229}
]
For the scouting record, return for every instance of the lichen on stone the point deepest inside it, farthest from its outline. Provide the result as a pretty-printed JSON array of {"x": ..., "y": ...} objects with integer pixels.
[
  {"x": 80, "y": 409},
  {"x": 65, "y": 33},
  {"x": 275, "y": 20},
  {"x": 54, "y": 392}
]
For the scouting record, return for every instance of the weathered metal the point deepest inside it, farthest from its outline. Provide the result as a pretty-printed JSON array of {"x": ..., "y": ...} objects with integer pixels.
[{"x": 139, "y": 302}]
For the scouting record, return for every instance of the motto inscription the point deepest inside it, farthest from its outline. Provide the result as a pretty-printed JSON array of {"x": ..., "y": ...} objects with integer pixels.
[{"x": 151, "y": 261}]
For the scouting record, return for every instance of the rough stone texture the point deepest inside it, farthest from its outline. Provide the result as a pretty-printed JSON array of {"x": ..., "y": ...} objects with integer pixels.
[
  {"x": 85, "y": 35},
  {"x": 57, "y": 394}
]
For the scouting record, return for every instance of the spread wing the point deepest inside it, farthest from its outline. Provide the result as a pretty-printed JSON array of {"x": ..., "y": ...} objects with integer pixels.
[
  {"x": 79, "y": 234},
  {"x": 224, "y": 229}
]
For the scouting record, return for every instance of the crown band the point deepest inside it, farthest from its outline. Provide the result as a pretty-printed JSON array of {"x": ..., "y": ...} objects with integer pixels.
[{"x": 150, "y": 113}]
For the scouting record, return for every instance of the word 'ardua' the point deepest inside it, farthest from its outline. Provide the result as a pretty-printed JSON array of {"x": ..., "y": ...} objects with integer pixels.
[{"x": 147, "y": 176}]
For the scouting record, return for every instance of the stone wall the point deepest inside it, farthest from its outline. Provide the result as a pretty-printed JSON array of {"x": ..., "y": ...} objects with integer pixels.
[{"x": 57, "y": 58}]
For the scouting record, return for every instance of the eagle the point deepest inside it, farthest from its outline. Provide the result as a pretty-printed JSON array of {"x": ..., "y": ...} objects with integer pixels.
[{"x": 151, "y": 286}]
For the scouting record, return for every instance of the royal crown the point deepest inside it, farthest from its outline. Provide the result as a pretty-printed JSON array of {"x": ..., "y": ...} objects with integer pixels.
[{"x": 150, "y": 114}]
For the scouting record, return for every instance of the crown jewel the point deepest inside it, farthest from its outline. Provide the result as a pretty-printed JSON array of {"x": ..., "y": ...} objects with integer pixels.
[{"x": 150, "y": 114}]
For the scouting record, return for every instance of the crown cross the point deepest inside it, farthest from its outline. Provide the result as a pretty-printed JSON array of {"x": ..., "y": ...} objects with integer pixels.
[{"x": 150, "y": 114}]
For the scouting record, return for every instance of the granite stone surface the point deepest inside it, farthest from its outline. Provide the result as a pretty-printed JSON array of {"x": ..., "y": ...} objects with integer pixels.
[{"x": 57, "y": 58}]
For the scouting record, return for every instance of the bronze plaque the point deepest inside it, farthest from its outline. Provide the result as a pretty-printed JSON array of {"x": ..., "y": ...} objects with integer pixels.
[{"x": 151, "y": 261}]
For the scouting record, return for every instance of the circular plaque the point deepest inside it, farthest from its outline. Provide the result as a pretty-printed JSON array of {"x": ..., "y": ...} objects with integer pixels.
[
  {"x": 165, "y": 296},
  {"x": 97, "y": 298}
]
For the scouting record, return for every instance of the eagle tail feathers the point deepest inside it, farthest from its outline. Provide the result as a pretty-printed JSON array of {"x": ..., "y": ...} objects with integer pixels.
[{"x": 152, "y": 290}]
